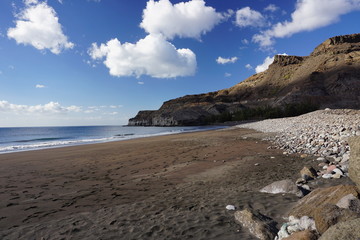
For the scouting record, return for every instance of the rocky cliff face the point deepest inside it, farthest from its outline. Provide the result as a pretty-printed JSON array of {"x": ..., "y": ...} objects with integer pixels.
[{"x": 330, "y": 77}]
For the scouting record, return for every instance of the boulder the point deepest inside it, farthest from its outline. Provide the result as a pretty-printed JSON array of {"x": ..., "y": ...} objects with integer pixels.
[
  {"x": 349, "y": 202},
  {"x": 328, "y": 215},
  {"x": 354, "y": 162},
  {"x": 283, "y": 186},
  {"x": 258, "y": 224},
  {"x": 308, "y": 173},
  {"x": 343, "y": 231},
  {"x": 303, "y": 235},
  {"x": 318, "y": 197}
]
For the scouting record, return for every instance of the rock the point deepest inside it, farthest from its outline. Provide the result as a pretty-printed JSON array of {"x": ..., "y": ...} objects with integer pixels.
[
  {"x": 300, "y": 181},
  {"x": 349, "y": 202},
  {"x": 330, "y": 168},
  {"x": 348, "y": 230},
  {"x": 230, "y": 207},
  {"x": 258, "y": 224},
  {"x": 283, "y": 186},
  {"x": 318, "y": 197},
  {"x": 328, "y": 215},
  {"x": 327, "y": 175},
  {"x": 303, "y": 155},
  {"x": 303, "y": 235},
  {"x": 308, "y": 173},
  {"x": 354, "y": 162}
]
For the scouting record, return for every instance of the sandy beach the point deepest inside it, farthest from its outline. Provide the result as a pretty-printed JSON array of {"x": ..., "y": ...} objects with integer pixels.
[{"x": 166, "y": 187}]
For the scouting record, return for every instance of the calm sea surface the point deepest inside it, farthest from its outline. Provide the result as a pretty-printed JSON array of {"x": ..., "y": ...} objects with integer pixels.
[{"x": 32, "y": 138}]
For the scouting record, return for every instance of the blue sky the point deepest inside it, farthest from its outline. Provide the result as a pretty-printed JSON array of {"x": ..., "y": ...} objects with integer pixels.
[{"x": 98, "y": 62}]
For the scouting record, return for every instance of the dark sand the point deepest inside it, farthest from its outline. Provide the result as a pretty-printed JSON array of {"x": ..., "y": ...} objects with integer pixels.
[{"x": 168, "y": 187}]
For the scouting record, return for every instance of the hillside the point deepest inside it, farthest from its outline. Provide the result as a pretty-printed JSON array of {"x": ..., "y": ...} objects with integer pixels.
[{"x": 329, "y": 77}]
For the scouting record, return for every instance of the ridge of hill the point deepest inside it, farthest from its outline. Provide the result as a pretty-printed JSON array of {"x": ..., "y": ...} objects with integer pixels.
[{"x": 328, "y": 77}]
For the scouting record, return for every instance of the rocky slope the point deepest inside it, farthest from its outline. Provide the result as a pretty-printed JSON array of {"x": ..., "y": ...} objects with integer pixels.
[{"x": 329, "y": 77}]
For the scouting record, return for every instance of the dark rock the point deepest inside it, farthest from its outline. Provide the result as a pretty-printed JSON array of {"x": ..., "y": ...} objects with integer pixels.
[{"x": 259, "y": 225}]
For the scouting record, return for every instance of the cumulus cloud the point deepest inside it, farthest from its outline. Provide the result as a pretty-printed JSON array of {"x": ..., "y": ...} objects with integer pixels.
[
  {"x": 153, "y": 56},
  {"x": 221, "y": 60},
  {"x": 265, "y": 65},
  {"x": 38, "y": 25},
  {"x": 308, "y": 15},
  {"x": 185, "y": 19},
  {"x": 246, "y": 17},
  {"x": 51, "y": 107},
  {"x": 40, "y": 86}
]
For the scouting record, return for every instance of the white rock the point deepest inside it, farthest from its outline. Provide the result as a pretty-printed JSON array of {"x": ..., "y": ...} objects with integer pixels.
[
  {"x": 230, "y": 207},
  {"x": 328, "y": 175}
]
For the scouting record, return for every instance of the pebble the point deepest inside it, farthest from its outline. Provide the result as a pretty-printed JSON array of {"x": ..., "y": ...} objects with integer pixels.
[
  {"x": 323, "y": 133},
  {"x": 230, "y": 207}
]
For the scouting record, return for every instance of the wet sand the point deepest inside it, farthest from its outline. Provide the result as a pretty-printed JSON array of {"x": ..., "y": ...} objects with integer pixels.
[{"x": 166, "y": 187}]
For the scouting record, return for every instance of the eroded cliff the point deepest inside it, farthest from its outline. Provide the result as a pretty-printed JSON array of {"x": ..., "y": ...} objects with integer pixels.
[{"x": 329, "y": 77}]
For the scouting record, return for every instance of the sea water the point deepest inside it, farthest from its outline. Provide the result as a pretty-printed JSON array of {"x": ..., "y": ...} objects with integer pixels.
[{"x": 33, "y": 138}]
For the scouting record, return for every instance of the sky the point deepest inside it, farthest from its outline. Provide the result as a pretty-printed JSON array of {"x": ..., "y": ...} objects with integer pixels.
[{"x": 98, "y": 62}]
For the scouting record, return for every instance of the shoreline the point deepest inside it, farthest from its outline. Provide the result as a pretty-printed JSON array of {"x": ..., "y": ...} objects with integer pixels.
[
  {"x": 183, "y": 180},
  {"x": 93, "y": 141}
]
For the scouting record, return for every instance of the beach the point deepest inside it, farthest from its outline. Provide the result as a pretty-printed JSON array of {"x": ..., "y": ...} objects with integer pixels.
[{"x": 165, "y": 187}]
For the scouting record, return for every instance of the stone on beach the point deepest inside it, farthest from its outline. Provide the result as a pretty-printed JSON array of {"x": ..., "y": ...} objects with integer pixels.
[
  {"x": 349, "y": 202},
  {"x": 343, "y": 231},
  {"x": 354, "y": 162},
  {"x": 327, "y": 215},
  {"x": 302, "y": 235},
  {"x": 321, "y": 196},
  {"x": 258, "y": 224},
  {"x": 308, "y": 173},
  {"x": 283, "y": 186}
]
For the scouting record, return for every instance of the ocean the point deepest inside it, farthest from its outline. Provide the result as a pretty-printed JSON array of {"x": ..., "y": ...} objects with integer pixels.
[{"x": 33, "y": 138}]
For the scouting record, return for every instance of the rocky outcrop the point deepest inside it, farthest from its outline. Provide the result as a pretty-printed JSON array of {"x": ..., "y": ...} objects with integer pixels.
[
  {"x": 328, "y": 215},
  {"x": 354, "y": 165},
  {"x": 329, "y": 77},
  {"x": 308, "y": 205},
  {"x": 259, "y": 225},
  {"x": 343, "y": 231}
]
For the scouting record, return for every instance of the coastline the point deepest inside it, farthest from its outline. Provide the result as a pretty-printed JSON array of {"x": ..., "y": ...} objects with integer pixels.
[
  {"x": 15, "y": 145},
  {"x": 182, "y": 180}
]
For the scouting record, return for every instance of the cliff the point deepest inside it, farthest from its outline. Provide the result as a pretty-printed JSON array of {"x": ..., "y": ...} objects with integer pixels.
[{"x": 329, "y": 77}]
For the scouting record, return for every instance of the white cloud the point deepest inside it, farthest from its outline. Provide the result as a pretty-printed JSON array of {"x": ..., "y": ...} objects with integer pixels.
[
  {"x": 221, "y": 60},
  {"x": 308, "y": 15},
  {"x": 245, "y": 41},
  {"x": 153, "y": 56},
  {"x": 40, "y": 86},
  {"x": 38, "y": 25},
  {"x": 51, "y": 107},
  {"x": 227, "y": 75},
  {"x": 265, "y": 65},
  {"x": 184, "y": 19},
  {"x": 271, "y": 8},
  {"x": 141, "y": 83},
  {"x": 248, "y": 66},
  {"x": 246, "y": 17}
]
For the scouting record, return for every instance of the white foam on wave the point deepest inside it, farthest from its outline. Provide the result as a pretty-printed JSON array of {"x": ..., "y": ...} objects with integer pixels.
[{"x": 64, "y": 143}]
